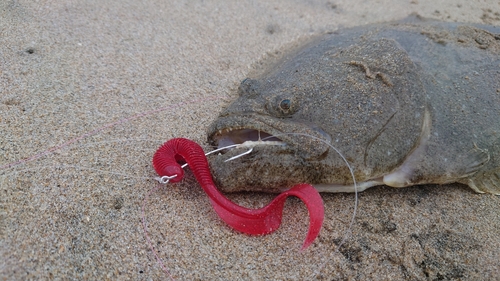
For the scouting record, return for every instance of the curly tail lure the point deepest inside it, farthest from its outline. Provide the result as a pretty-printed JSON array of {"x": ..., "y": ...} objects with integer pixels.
[{"x": 250, "y": 221}]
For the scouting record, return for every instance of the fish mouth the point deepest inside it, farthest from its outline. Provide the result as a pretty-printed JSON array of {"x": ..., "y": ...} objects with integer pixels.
[{"x": 252, "y": 130}]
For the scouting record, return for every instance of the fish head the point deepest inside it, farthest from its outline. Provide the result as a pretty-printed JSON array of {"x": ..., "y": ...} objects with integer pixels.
[
  {"x": 277, "y": 117},
  {"x": 365, "y": 101}
]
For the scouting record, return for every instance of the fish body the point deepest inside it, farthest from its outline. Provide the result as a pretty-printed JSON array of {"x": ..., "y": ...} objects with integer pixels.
[{"x": 406, "y": 103}]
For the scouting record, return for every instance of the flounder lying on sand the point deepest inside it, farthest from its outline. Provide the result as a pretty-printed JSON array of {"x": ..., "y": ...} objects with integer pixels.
[{"x": 406, "y": 103}]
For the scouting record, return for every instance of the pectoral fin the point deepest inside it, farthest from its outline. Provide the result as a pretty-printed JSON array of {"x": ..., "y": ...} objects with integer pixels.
[{"x": 475, "y": 159}]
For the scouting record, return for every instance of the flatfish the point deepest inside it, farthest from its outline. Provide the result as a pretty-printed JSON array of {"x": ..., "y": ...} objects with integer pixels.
[{"x": 407, "y": 103}]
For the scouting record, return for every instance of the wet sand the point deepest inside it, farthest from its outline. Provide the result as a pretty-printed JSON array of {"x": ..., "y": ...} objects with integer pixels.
[{"x": 89, "y": 90}]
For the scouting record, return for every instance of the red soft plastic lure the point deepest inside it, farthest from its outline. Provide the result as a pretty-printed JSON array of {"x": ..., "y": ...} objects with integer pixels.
[{"x": 251, "y": 221}]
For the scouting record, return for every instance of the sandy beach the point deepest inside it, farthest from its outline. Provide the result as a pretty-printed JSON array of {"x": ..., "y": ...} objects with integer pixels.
[{"x": 90, "y": 89}]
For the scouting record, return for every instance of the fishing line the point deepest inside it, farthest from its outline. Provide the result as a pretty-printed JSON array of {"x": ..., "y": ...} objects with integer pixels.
[
  {"x": 66, "y": 144},
  {"x": 355, "y": 208},
  {"x": 99, "y": 130},
  {"x": 13, "y": 166},
  {"x": 162, "y": 181},
  {"x": 165, "y": 180}
]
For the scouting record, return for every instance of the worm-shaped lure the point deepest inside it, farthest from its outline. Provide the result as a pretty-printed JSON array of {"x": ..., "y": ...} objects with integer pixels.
[{"x": 250, "y": 221}]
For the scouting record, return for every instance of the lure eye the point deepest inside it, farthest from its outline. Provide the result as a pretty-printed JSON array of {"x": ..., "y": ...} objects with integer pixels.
[{"x": 285, "y": 105}]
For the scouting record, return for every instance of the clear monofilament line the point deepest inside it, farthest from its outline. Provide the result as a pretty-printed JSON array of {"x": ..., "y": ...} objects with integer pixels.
[
  {"x": 98, "y": 130},
  {"x": 323, "y": 141},
  {"x": 353, "y": 217}
]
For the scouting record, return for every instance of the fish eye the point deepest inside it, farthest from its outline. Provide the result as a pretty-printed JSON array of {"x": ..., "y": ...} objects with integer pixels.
[{"x": 285, "y": 105}]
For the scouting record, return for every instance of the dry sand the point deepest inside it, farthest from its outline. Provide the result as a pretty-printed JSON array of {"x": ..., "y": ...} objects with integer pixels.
[{"x": 68, "y": 68}]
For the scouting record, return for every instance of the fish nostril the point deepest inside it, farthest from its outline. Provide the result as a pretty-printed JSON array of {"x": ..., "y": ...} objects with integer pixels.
[{"x": 248, "y": 87}]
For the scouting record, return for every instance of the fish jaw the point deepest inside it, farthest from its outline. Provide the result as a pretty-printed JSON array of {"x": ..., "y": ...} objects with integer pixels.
[
  {"x": 310, "y": 142},
  {"x": 275, "y": 152}
]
